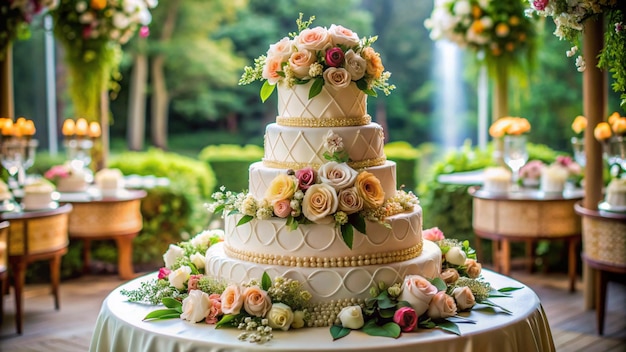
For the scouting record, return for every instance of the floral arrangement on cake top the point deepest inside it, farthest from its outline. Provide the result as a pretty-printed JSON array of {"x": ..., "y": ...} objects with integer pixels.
[
  {"x": 509, "y": 126},
  {"x": 570, "y": 17},
  {"x": 260, "y": 306},
  {"x": 333, "y": 56},
  {"x": 497, "y": 29},
  {"x": 16, "y": 18},
  {"x": 335, "y": 193}
]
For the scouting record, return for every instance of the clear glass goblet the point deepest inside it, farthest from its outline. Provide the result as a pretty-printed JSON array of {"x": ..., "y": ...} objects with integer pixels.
[{"x": 515, "y": 155}]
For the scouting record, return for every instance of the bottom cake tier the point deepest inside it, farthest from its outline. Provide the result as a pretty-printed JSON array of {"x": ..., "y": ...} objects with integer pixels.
[{"x": 326, "y": 284}]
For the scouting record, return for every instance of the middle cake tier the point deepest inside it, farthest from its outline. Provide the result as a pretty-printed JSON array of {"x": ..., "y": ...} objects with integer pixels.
[{"x": 298, "y": 147}]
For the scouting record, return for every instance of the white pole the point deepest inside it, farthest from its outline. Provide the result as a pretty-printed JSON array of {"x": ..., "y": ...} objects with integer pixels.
[
  {"x": 483, "y": 96},
  {"x": 50, "y": 87}
]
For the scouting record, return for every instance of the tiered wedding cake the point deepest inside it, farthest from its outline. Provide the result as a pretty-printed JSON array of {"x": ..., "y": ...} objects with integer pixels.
[{"x": 315, "y": 249}]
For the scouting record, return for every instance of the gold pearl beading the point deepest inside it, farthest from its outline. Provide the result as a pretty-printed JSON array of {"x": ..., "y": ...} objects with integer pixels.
[
  {"x": 325, "y": 262},
  {"x": 297, "y": 166},
  {"x": 323, "y": 122}
]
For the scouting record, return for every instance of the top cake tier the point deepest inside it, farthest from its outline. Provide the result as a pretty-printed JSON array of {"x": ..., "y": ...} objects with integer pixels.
[{"x": 331, "y": 108}]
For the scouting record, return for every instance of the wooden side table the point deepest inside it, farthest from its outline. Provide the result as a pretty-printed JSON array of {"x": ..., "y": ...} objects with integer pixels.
[
  {"x": 526, "y": 216},
  {"x": 117, "y": 217},
  {"x": 34, "y": 236},
  {"x": 604, "y": 250}
]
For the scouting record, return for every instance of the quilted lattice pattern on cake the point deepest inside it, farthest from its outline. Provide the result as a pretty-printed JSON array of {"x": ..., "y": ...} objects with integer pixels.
[{"x": 330, "y": 103}]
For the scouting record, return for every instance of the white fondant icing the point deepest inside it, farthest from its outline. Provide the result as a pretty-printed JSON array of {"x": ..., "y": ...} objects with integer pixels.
[{"x": 330, "y": 103}]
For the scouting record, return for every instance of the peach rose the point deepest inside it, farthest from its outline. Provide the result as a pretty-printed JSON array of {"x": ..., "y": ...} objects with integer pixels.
[
  {"x": 473, "y": 268},
  {"x": 313, "y": 38},
  {"x": 418, "y": 292},
  {"x": 355, "y": 65},
  {"x": 256, "y": 301},
  {"x": 370, "y": 190},
  {"x": 337, "y": 175},
  {"x": 464, "y": 298},
  {"x": 441, "y": 306},
  {"x": 282, "y": 187},
  {"x": 319, "y": 203},
  {"x": 337, "y": 77},
  {"x": 450, "y": 275},
  {"x": 271, "y": 69},
  {"x": 579, "y": 124},
  {"x": 375, "y": 66},
  {"x": 281, "y": 50},
  {"x": 195, "y": 306},
  {"x": 602, "y": 131},
  {"x": 519, "y": 126},
  {"x": 282, "y": 208},
  {"x": 349, "y": 201},
  {"x": 232, "y": 300},
  {"x": 341, "y": 35},
  {"x": 301, "y": 61},
  {"x": 614, "y": 116},
  {"x": 619, "y": 126}
]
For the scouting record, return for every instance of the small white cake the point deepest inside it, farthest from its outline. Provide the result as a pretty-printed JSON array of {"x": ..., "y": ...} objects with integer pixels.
[
  {"x": 109, "y": 181},
  {"x": 76, "y": 181},
  {"x": 5, "y": 193},
  {"x": 38, "y": 195},
  {"x": 553, "y": 178},
  {"x": 616, "y": 193},
  {"x": 497, "y": 180}
]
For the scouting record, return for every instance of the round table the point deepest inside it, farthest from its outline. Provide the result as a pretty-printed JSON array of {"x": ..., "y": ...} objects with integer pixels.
[
  {"x": 116, "y": 216},
  {"x": 120, "y": 327},
  {"x": 526, "y": 215}
]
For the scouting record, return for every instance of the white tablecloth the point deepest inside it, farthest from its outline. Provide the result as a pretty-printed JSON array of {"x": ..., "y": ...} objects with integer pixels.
[{"x": 120, "y": 328}]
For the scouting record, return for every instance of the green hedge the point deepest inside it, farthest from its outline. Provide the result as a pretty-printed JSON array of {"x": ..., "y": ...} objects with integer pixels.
[
  {"x": 406, "y": 158},
  {"x": 231, "y": 163}
]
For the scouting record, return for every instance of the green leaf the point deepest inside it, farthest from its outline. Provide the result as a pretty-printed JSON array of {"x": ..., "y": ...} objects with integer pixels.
[
  {"x": 266, "y": 282},
  {"x": 347, "y": 233},
  {"x": 245, "y": 219},
  {"x": 387, "y": 313},
  {"x": 510, "y": 289},
  {"x": 427, "y": 324},
  {"x": 172, "y": 303},
  {"x": 226, "y": 319},
  {"x": 338, "y": 331},
  {"x": 491, "y": 304},
  {"x": 449, "y": 327},
  {"x": 370, "y": 92},
  {"x": 219, "y": 208},
  {"x": 160, "y": 314},
  {"x": 267, "y": 90},
  {"x": 439, "y": 284},
  {"x": 316, "y": 87},
  {"x": 385, "y": 303},
  {"x": 358, "y": 221},
  {"x": 386, "y": 330}
]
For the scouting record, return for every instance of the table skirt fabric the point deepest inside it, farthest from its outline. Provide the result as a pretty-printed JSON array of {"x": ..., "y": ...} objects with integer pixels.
[{"x": 120, "y": 327}]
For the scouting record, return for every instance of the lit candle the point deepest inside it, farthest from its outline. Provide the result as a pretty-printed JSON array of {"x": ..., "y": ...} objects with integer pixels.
[
  {"x": 68, "y": 127},
  {"x": 81, "y": 127},
  {"x": 94, "y": 130}
]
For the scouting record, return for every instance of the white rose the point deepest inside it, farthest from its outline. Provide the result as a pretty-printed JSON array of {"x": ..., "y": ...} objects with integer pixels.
[
  {"x": 198, "y": 260},
  {"x": 196, "y": 306},
  {"x": 337, "y": 77},
  {"x": 120, "y": 20},
  {"x": 349, "y": 200},
  {"x": 178, "y": 277},
  {"x": 464, "y": 297},
  {"x": 418, "y": 292},
  {"x": 337, "y": 175},
  {"x": 351, "y": 317},
  {"x": 173, "y": 253},
  {"x": 355, "y": 65},
  {"x": 319, "y": 203},
  {"x": 341, "y": 35},
  {"x": 456, "y": 256},
  {"x": 201, "y": 239},
  {"x": 441, "y": 306},
  {"x": 280, "y": 316}
]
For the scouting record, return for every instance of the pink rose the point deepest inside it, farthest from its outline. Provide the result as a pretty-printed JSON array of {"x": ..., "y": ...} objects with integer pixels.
[
  {"x": 215, "y": 310},
  {"x": 300, "y": 62},
  {"x": 306, "y": 177},
  {"x": 406, "y": 318},
  {"x": 282, "y": 208},
  {"x": 271, "y": 69},
  {"x": 433, "y": 234},
  {"x": 164, "y": 273},
  {"x": 337, "y": 77},
  {"x": 313, "y": 38},
  {"x": 256, "y": 301},
  {"x": 334, "y": 57},
  {"x": 442, "y": 306},
  {"x": 341, "y": 35},
  {"x": 192, "y": 284},
  {"x": 232, "y": 300},
  {"x": 144, "y": 31},
  {"x": 540, "y": 4},
  {"x": 418, "y": 292}
]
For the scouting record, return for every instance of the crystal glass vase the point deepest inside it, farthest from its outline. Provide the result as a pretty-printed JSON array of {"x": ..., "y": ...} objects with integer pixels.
[{"x": 515, "y": 154}]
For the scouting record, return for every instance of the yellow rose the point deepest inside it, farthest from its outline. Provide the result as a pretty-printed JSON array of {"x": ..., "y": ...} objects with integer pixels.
[
  {"x": 282, "y": 187},
  {"x": 369, "y": 188},
  {"x": 519, "y": 126},
  {"x": 579, "y": 124},
  {"x": 500, "y": 126},
  {"x": 375, "y": 66},
  {"x": 602, "y": 131},
  {"x": 614, "y": 116},
  {"x": 619, "y": 126}
]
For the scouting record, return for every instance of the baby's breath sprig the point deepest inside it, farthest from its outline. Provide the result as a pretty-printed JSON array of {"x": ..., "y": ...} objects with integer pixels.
[
  {"x": 152, "y": 291},
  {"x": 480, "y": 289}
]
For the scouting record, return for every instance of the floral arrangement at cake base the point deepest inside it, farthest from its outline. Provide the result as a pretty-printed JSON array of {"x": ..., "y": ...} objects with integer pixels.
[{"x": 264, "y": 305}]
